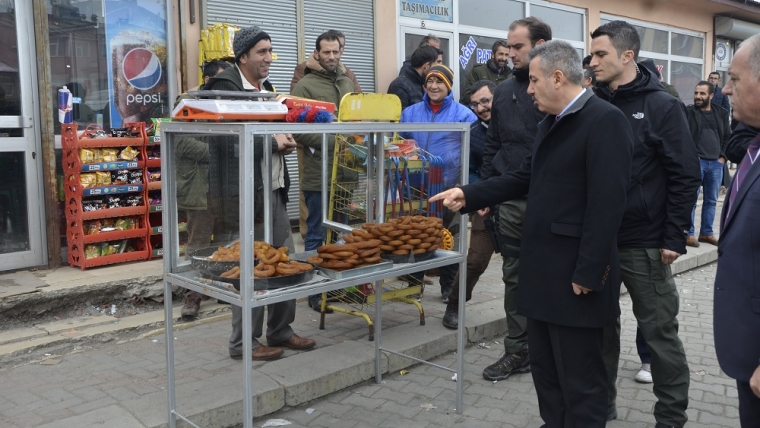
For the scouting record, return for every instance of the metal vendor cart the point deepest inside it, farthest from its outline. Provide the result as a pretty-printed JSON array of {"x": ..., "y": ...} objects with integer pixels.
[{"x": 224, "y": 152}]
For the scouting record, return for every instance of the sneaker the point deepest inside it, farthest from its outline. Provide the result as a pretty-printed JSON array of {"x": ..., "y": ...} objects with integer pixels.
[
  {"x": 508, "y": 365},
  {"x": 611, "y": 412},
  {"x": 644, "y": 375},
  {"x": 192, "y": 305},
  {"x": 450, "y": 317}
]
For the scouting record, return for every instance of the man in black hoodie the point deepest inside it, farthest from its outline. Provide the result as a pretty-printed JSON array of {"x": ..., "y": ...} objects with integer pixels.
[
  {"x": 408, "y": 85},
  {"x": 513, "y": 128},
  {"x": 665, "y": 176}
]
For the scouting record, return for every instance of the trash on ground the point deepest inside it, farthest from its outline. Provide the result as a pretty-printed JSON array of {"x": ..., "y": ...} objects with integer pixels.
[
  {"x": 454, "y": 378},
  {"x": 403, "y": 372},
  {"x": 276, "y": 423},
  {"x": 482, "y": 345},
  {"x": 309, "y": 410},
  {"x": 428, "y": 406}
]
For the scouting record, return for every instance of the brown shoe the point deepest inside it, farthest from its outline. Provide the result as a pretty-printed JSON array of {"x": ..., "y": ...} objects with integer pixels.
[
  {"x": 710, "y": 239},
  {"x": 261, "y": 353},
  {"x": 297, "y": 342},
  {"x": 192, "y": 305},
  {"x": 692, "y": 241}
]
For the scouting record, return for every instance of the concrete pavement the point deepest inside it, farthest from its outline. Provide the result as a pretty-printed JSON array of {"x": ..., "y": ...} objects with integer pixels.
[{"x": 120, "y": 380}]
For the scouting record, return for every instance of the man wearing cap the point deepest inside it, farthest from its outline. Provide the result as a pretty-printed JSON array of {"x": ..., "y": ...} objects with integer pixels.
[
  {"x": 253, "y": 57},
  {"x": 325, "y": 80},
  {"x": 438, "y": 105}
]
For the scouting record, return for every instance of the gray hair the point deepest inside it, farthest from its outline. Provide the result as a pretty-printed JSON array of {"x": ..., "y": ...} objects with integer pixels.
[
  {"x": 559, "y": 55},
  {"x": 753, "y": 60}
]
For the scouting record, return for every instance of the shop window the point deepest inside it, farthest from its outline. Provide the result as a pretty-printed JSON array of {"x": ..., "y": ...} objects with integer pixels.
[
  {"x": 565, "y": 25},
  {"x": 473, "y": 50},
  {"x": 684, "y": 45},
  {"x": 490, "y": 14},
  {"x": 685, "y": 76}
]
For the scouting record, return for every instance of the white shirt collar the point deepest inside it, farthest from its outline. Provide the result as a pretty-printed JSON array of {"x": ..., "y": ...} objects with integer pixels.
[{"x": 571, "y": 103}]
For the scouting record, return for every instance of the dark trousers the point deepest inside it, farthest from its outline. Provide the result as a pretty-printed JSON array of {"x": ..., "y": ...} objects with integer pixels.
[
  {"x": 641, "y": 346},
  {"x": 449, "y": 272},
  {"x": 749, "y": 406},
  {"x": 511, "y": 216},
  {"x": 478, "y": 257},
  {"x": 655, "y": 304},
  {"x": 568, "y": 373}
]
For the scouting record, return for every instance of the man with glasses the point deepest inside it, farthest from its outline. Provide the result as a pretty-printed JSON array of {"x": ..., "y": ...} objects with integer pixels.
[{"x": 481, "y": 246}]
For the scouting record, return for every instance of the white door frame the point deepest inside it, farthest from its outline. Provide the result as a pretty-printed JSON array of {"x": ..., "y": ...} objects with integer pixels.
[{"x": 29, "y": 144}]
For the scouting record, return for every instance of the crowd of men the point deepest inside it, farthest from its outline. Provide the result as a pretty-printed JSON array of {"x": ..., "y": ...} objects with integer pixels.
[{"x": 590, "y": 166}]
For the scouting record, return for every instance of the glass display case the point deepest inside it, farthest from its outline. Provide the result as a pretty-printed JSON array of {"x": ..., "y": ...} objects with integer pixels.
[{"x": 215, "y": 177}]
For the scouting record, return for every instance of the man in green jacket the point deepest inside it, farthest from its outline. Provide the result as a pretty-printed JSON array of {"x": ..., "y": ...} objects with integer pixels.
[
  {"x": 495, "y": 69},
  {"x": 325, "y": 80}
]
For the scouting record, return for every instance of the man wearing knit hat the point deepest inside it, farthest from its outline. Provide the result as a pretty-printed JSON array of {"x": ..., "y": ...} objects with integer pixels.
[
  {"x": 253, "y": 56},
  {"x": 438, "y": 105}
]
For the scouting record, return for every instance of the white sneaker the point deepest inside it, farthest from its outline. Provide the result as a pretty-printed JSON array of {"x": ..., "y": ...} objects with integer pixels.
[{"x": 644, "y": 375}]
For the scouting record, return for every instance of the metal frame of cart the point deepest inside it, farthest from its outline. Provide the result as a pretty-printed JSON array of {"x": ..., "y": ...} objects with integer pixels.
[{"x": 180, "y": 273}]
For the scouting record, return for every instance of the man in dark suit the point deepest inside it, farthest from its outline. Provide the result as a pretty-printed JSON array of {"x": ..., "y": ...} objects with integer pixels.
[
  {"x": 576, "y": 178},
  {"x": 736, "y": 312}
]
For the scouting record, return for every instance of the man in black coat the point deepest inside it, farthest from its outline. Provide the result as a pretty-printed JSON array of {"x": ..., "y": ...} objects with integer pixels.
[
  {"x": 514, "y": 123},
  {"x": 736, "y": 313},
  {"x": 408, "y": 86},
  {"x": 664, "y": 180},
  {"x": 576, "y": 179},
  {"x": 253, "y": 56}
]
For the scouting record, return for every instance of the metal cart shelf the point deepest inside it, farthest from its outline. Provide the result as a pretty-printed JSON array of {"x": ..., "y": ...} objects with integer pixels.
[{"x": 181, "y": 273}]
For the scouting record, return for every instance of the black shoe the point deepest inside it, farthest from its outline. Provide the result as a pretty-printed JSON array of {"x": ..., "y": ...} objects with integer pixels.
[
  {"x": 611, "y": 412},
  {"x": 445, "y": 291},
  {"x": 315, "y": 302},
  {"x": 661, "y": 425},
  {"x": 450, "y": 318},
  {"x": 508, "y": 365}
]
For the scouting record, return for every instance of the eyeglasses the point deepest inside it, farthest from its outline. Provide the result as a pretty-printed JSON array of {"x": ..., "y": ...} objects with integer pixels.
[{"x": 483, "y": 102}]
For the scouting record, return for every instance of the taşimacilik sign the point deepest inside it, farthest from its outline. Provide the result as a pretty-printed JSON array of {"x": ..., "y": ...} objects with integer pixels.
[{"x": 437, "y": 10}]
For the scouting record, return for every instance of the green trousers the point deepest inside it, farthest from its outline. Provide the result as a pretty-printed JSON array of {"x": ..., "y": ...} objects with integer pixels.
[
  {"x": 655, "y": 304},
  {"x": 510, "y": 225}
]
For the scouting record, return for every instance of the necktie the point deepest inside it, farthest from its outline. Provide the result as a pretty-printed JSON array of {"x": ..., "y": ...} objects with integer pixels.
[{"x": 741, "y": 173}]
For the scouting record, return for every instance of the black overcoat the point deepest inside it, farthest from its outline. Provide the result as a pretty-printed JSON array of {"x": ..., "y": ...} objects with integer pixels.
[{"x": 575, "y": 179}]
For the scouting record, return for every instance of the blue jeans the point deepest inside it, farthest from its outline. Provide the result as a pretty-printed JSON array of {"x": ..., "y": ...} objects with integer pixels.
[
  {"x": 315, "y": 232},
  {"x": 712, "y": 178}
]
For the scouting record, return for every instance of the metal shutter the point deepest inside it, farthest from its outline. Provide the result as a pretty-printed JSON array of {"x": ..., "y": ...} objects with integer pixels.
[
  {"x": 355, "y": 18},
  {"x": 277, "y": 18}
]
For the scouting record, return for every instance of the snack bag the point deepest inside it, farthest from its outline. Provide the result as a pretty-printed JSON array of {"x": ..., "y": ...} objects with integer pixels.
[
  {"x": 121, "y": 224},
  {"x": 128, "y": 153},
  {"x": 88, "y": 180},
  {"x": 110, "y": 154},
  {"x": 98, "y": 155},
  {"x": 107, "y": 248},
  {"x": 120, "y": 177},
  {"x": 91, "y": 251},
  {"x": 107, "y": 225},
  {"x": 86, "y": 156},
  {"x": 103, "y": 178}
]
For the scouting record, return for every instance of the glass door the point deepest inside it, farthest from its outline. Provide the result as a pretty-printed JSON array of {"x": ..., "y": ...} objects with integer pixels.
[
  {"x": 411, "y": 41},
  {"x": 22, "y": 228}
]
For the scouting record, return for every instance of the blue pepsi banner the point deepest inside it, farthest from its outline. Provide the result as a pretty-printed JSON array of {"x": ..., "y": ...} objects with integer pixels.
[
  {"x": 436, "y": 10},
  {"x": 136, "y": 43}
]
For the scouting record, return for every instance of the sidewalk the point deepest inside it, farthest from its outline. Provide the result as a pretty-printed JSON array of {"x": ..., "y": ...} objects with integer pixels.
[{"x": 122, "y": 382}]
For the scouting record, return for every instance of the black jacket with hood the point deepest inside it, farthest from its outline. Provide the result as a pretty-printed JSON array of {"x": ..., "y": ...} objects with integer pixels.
[
  {"x": 665, "y": 173},
  {"x": 514, "y": 123},
  {"x": 407, "y": 86}
]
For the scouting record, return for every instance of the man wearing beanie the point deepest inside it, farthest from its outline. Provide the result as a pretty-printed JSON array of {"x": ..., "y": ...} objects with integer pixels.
[
  {"x": 325, "y": 80},
  {"x": 438, "y": 105},
  {"x": 253, "y": 57}
]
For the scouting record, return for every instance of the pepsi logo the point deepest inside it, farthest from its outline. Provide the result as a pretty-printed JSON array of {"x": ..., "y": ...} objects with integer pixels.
[{"x": 141, "y": 68}]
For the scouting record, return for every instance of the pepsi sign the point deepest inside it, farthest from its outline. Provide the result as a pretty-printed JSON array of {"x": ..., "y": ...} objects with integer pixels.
[{"x": 142, "y": 68}]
